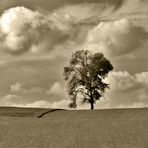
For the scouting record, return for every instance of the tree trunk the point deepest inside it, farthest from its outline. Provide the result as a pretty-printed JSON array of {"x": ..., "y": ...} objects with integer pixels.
[
  {"x": 92, "y": 105},
  {"x": 91, "y": 100}
]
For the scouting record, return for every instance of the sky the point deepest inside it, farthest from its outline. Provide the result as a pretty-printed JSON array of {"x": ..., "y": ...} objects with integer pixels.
[{"x": 37, "y": 39}]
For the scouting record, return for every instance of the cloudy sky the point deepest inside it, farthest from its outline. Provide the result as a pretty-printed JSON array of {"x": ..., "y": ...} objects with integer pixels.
[{"x": 38, "y": 37}]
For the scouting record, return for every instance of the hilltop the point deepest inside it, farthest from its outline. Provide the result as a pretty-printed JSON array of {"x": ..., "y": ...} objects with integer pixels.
[{"x": 108, "y": 128}]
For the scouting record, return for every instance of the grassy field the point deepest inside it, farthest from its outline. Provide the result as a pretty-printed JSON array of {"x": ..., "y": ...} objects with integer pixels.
[{"x": 112, "y": 128}]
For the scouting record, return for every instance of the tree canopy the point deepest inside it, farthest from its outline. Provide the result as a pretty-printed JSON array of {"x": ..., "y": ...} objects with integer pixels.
[{"x": 85, "y": 76}]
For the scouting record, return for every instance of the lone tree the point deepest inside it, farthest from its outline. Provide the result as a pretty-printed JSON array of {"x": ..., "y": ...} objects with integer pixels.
[{"x": 85, "y": 75}]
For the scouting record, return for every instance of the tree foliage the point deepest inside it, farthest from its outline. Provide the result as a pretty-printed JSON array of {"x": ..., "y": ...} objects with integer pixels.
[{"x": 85, "y": 76}]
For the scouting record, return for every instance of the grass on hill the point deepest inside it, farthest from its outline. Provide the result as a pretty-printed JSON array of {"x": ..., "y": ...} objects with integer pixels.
[{"x": 112, "y": 128}]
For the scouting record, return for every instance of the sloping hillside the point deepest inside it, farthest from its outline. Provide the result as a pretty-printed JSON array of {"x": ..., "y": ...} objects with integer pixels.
[
  {"x": 21, "y": 112},
  {"x": 113, "y": 128}
]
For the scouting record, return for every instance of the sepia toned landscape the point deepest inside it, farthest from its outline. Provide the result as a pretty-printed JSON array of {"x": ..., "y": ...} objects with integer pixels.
[{"x": 74, "y": 74}]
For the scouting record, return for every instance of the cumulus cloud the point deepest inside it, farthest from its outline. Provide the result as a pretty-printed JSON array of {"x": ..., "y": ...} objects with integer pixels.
[
  {"x": 61, "y": 104},
  {"x": 16, "y": 87},
  {"x": 122, "y": 80},
  {"x": 142, "y": 77},
  {"x": 32, "y": 90},
  {"x": 116, "y": 37},
  {"x": 38, "y": 104},
  {"x": 56, "y": 88},
  {"x": 25, "y": 30},
  {"x": 102, "y": 104},
  {"x": 128, "y": 7},
  {"x": 127, "y": 90},
  {"x": 134, "y": 105},
  {"x": 10, "y": 97},
  {"x": 46, "y": 104},
  {"x": 27, "y": 94},
  {"x": 56, "y": 92}
]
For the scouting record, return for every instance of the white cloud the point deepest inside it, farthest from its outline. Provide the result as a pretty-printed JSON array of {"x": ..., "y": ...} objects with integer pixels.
[
  {"x": 143, "y": 94},
  {"x": 10, "y": 97},
  {"x": 116, "y": 37},
  {"x": 32, "y": 90},
  {"x": 16, "y": 87},
  {"x": 41, "y": 103},
  {"x": 56, "y": 88},
  {"x": 121, "y": 80},
  {"x": 46, "y": 104},
  {"x": 9, "y": 100},
  {"x": 25, "y": 30},
  {"x": 126, "y": 91},
  {"x": 142, "y": 77},
  {"x": 61, "y": 104},
  {"x": 134, "y": 105}
]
